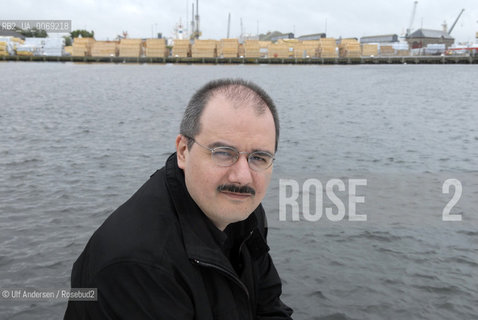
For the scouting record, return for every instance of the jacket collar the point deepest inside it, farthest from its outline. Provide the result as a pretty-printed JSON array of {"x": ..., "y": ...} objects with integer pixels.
[{"x": 198, "y": 240}]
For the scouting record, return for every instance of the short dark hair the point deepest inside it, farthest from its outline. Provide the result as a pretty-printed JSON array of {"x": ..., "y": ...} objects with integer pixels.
[{"x": 236, "y": 90}]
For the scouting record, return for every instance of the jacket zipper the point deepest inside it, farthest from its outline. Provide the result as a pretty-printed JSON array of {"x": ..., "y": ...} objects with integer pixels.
[{"x": 230, "y": 275}]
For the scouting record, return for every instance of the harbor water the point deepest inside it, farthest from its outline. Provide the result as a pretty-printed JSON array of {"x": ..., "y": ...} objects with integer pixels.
[{"x": 77, "y": 140}]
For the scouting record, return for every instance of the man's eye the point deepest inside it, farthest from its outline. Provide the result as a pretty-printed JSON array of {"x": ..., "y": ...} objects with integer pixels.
[
  {"x": 259, "y": 158},
  {"x": 224, "y": 153}
]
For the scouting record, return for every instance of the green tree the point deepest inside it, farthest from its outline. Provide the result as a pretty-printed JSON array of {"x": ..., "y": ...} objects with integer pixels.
[
  {"x": 33, "y": 33},
  {"x": 82, "y": 33},
  {"x": 68, "y": 41}
]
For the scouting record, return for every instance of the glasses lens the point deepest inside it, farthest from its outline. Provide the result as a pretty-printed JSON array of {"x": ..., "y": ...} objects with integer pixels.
[
  {"x": 224, "y": 156},
  {"x": 260, "y": 161}
]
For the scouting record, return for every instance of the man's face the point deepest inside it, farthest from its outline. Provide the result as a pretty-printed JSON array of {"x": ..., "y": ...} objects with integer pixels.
[{"x": 243, "y": 129}]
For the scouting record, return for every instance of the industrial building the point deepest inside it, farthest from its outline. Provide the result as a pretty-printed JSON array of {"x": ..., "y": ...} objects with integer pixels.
[
  {"x": 315, "y": 36},
  {"x": 423, "y": 37},
  {"x": 386, "y": 38},
  {"x": 9, "y": 33}
]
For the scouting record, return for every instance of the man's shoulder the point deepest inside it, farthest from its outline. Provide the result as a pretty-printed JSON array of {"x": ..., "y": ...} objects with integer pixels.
[{"x": 142, "y": 230}]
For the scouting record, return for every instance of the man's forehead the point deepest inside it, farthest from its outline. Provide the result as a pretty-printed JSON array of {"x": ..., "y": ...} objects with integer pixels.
[{"x": 239, "y": 96}]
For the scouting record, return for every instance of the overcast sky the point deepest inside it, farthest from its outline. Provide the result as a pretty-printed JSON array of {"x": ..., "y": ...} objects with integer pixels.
[{"x": 142, "y": 18}]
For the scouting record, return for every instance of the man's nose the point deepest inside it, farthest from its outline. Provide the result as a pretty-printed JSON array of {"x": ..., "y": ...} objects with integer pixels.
[{"x": 240, "y": 172}]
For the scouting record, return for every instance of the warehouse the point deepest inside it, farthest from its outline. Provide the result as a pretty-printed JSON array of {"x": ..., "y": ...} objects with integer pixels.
[
  {"x": 8, "y": 33},
  {"x": 386, "y": 38},
  {"x": 423, "y": 37},
  {"x": 315, "y": 36}
]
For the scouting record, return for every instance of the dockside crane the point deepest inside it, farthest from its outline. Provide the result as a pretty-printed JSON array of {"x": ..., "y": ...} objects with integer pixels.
[
  {"x": 195, "y": 34},
  {"x": 412, "y": 18},
  {"x": 454, "y": 23}
]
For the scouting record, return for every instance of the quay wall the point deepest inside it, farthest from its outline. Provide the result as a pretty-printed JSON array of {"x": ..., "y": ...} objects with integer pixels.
[{"x": 217, "y": 60}]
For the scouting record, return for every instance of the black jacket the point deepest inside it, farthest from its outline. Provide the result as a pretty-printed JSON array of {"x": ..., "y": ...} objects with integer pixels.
[{"x": 155, "y": 257}]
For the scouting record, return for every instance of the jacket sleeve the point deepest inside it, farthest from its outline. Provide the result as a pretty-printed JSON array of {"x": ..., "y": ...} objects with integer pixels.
[
  {"x": 130, "y": 290},
  {"x": 269, "y": 304}
]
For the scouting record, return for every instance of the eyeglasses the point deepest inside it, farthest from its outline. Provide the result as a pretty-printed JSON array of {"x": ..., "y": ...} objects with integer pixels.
[{"x": 227, "y": 156}]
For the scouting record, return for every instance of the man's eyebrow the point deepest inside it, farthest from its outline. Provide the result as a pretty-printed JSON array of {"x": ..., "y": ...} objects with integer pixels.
[
  {"x": 220, "y": 144},
  {"x": 223, "y": 144}
]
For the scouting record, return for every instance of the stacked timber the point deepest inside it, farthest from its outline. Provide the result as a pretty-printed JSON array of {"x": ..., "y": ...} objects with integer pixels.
[
  {"x": 350, "y": 48},
  {"x": 278, "y": 50},
  {"x": 307, "y": 49},
  {"x": 327, "y": 48},
  {"x": 264, "y": 48},
  {"x": 82, "y": 46},
  {"x": 402, "y": 53},
  {"x": 204, "y": 49},
  {"x": 104, "y": 49},
  {"x": 369, "y": 50},
  {"x": 299, "y": 51},
  {"x": 401, "y": 48},
  {"x": 130, "y": 48},
  {"x": 8, "y": 45},
  {"x": 252, "y": 49},
  {"x": 242, "y": 51},
  {"x": 181, "y": 48},
  {"x": 69, "y": 50},
  {"x": 3, "y": 49},
  {"x": 229, "y": 48},
  {"x": 156, "y": 48},
  {"x": 292, "y": 45},
  {"x": 387, "y": 50}
]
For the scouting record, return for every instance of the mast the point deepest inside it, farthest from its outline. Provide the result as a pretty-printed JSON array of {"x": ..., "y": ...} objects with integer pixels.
[{"x": 228, "y": 25}]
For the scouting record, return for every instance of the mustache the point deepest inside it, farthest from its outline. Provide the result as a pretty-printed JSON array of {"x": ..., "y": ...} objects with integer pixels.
[{"x": 236, "y": 189}]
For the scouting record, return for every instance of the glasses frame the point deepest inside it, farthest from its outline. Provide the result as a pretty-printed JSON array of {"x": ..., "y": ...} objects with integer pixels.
[{"x": 248, "y": 155}]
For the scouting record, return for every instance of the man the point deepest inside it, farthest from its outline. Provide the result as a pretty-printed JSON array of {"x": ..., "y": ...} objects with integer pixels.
[{"x": 190, "y": 243}]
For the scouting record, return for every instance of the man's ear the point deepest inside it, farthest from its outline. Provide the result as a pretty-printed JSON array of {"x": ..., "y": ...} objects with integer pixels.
[{"x": 181, "y": 150}]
